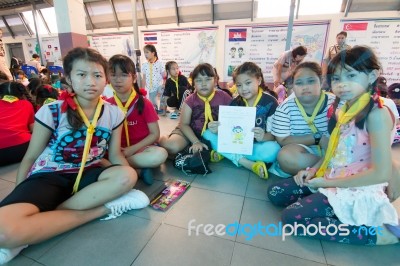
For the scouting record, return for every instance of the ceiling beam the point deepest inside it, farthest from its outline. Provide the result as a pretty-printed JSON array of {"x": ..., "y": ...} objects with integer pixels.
[
  {"x": 88, "y": 17},
  {"x": 44, "y": 21},
  {"x": 348, "y": 6},
  {"x": 177, "y": 12},
  {"x": 212, "y": 12},
  {"x": 8, "y": 27},
  {"x": 26, "y": 25},
  {"x": 146, "y": 21},
  {"x": 114, "y": 13}
]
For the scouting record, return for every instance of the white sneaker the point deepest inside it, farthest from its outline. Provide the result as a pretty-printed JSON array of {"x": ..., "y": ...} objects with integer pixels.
[
  {"x": 134, "y": 199},
  {"x": 8, "y": 254}
]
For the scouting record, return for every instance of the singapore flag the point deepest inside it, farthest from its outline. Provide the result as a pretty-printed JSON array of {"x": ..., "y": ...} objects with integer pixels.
[{"x": 355, "y": 26}]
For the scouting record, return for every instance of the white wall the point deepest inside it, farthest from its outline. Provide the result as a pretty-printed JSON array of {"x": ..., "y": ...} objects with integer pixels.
[{"x": 333, "y": 30}]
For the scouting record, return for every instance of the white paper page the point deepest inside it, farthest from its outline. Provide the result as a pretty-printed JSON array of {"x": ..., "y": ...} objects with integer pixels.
[{"x": 234, "y": 131}]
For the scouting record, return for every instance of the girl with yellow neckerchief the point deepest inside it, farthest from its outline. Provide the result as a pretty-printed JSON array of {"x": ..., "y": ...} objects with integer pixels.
[
  {"x": 60, "y": 184},
  {"x": 16, "y": 122},
  {"x": 249, "y": 81},
  {"x": 301, "y": 123},
  {"x": 346, "y": 188},
  {"x": 140, "y": 129},
  {"x": 175, "y": 88},
  {"x": 198, "y": 110}
]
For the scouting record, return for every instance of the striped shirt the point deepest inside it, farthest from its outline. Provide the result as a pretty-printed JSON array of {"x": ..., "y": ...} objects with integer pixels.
[{"x": 288, "y": 120}]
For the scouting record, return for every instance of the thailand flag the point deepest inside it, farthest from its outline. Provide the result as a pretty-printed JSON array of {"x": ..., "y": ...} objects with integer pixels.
[
  {"x": 150, "y": 38},
  {"x": 237, "y": 35},
  {"x": 355, "y": 26}
]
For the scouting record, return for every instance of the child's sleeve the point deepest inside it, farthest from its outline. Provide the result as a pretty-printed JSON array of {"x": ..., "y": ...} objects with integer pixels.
[
  {"x": 117, "y": 116},
  {"x": 149, "y": 113},
  {"x": 45, "y": 116}
]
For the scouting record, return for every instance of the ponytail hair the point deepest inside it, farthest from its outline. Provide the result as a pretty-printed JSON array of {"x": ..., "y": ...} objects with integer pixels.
[
  {"x": 127, "y": 66},
  {"x": 16, "y": 89},
  {"x": 44, "y": 92},
  {"x": 80, "y": 53},
  {"x": 252, "y": 69}
]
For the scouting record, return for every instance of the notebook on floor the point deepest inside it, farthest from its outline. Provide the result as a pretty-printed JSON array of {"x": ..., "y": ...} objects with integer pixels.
[{"x": 168, "y": 194}]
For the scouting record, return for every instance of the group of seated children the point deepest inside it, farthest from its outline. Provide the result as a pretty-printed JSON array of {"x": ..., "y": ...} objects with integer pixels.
[{"x": 337, "y": 147}]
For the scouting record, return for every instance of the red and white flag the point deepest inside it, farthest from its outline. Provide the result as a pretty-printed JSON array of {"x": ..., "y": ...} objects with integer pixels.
[{"x": 355, "y": 26}]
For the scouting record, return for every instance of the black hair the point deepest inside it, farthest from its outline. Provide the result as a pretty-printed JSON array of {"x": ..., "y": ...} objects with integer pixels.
[
  {"x": 252, "y": 69},
  {"x": 168, "y": 66},
  {"x": 128, "y": 67},
  {"x": 362, "y": 59},
  {"x": 80, "y": 53},
  {"x": 204, "y": 69},
  {"x": 151, "y": 48},
  {"x": 313, "y": 66},
  {"x": 44, "y": 92},
  {"x": 15, "y": 89},
  {"x": 34, "y": 83},
  {"x": 299, "y": 50}
]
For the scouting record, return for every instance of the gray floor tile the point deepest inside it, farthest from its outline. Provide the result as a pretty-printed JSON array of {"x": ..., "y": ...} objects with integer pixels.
[
  {"x": 173, "y": 246},
  {"x": 224, "y": 179},
  {"x": 38, "y": 250},
  {"x": 255, "y": 211},
  {"x": 257, "y": 187},
  {"x": 9, "y": 172},
  {"x": 115, "y": 242},
  {"x": 345, "y": 255},
  {"x": 206, "y": 207},
  {"x": 21, "y": 261},
  {"x": 5, "y": 188},
  {"x": 248, "y": 255}
]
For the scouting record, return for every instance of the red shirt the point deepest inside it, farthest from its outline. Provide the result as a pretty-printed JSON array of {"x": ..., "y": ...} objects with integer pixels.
[
  {"x": 15, "y": 119},
  {"x": 137, "y": 124}
]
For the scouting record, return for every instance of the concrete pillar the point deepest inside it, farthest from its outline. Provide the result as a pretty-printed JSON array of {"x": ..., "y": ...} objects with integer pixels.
[{"x": 71, "y": 24}]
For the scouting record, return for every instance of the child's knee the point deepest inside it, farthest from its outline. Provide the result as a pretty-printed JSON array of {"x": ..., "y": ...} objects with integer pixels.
[{"x": 126, "y": 177}]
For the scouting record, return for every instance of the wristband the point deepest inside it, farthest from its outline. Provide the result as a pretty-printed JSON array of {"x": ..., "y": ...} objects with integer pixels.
[{"x": 195, "y": 142}]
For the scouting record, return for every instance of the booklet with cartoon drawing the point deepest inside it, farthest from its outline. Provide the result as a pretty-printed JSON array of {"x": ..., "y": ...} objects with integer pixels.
[
  {"x": 234, "y": 131},
  {"x": 168, "y": 194}
]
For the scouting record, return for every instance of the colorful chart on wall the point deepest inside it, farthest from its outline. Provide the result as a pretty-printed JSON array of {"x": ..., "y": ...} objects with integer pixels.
[
  {"x": 111, "y": 44},
  {"x": 381, "y": 35},
  {"x": 263, "y": 44},
  {"x": 50, "y": 49},
  {"x": 188, "y": 47}
]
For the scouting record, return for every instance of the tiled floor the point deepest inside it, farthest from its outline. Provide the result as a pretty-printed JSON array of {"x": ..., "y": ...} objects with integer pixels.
[{"x": 149, "y": 237}]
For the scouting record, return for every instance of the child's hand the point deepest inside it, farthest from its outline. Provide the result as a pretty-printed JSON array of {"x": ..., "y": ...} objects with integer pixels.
[
  {"x": 316, "y": 183},
  {"x": 258, "y": 133},
  {"x": 304, "y": 176},
  {"x": 213, "y": 126},
  {"x": 197, "y": 146}
]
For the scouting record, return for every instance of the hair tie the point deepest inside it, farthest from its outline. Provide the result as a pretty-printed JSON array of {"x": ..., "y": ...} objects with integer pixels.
[
  {"x": 68, "y": 99},
  {"x": 48, "y": 87},
  {"x": 376, "y": 98},
  {"x": 143, "y": 92}
]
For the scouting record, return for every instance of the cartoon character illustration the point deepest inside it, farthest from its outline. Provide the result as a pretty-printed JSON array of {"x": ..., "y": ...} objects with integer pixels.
[
  {"x": 233, "y": 52},
  {"x": 240, "y": 52},
  {"x": 238, "y": 134}
]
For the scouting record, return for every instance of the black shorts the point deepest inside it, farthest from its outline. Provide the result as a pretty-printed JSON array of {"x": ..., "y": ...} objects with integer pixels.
[
  {"x": 13, "y": 154},
  {"x": 48, "y": 190}
]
